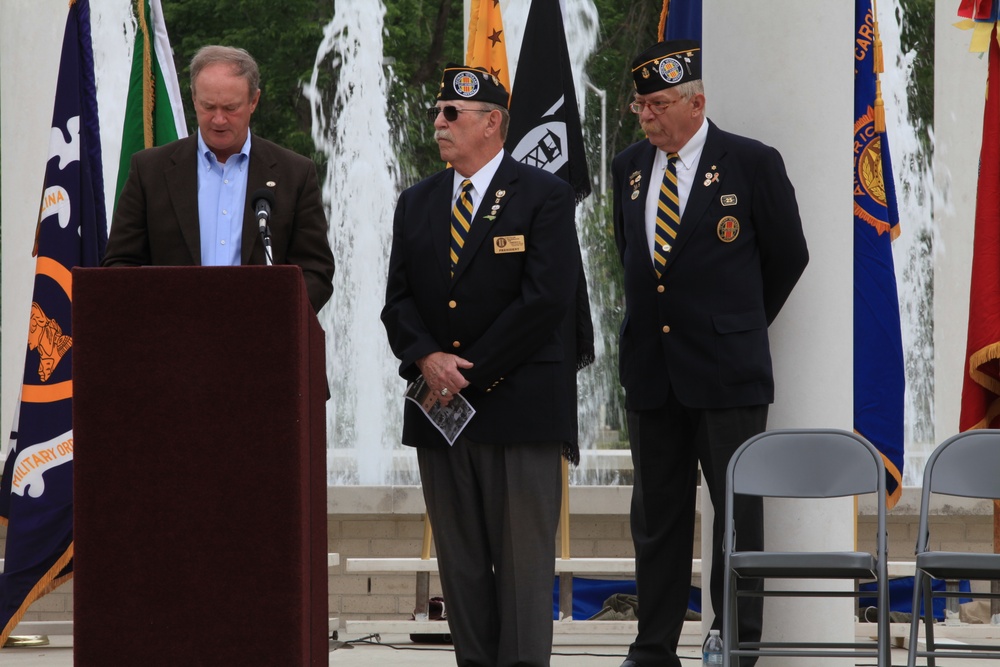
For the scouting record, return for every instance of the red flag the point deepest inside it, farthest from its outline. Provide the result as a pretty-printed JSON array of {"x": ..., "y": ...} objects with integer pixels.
[
  {"x": 978, "y": 10},
  {"x": 981, "y": 388}
]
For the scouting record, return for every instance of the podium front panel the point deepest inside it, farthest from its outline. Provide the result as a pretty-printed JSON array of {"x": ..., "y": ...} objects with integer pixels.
[{"x": 199, "y": 462}]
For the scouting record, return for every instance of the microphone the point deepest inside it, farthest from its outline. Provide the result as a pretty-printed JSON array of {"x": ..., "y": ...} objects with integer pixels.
[{"x": 263, "y": 200}]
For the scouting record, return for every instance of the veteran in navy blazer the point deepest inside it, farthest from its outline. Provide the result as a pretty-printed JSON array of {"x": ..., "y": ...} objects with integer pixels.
[
  {"x": 190, "y": 202},
  {"x": 700, "y": 292},
  {"x": 487, "y": 313}
]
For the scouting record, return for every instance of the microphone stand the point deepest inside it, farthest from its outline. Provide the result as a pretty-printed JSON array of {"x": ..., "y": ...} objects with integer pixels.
[
  {"x": 265, "y": 236},
  {"x": 263, "y": 200}
]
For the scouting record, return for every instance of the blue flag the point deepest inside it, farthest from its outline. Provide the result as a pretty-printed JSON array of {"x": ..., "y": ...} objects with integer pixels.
[
  {"x": 680, "y": 19},
  {"x": 36, "y": 490},
  {"x": 878, "y": 348}
]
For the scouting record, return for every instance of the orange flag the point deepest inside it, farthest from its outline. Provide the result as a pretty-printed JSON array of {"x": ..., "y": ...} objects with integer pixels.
[{"x": 487, "y": 43}]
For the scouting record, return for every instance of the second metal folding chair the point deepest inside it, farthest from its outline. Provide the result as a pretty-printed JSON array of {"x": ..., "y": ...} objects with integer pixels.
[
  {"x": 966, "y": 465},
  {"x": 814, "y": 463}
]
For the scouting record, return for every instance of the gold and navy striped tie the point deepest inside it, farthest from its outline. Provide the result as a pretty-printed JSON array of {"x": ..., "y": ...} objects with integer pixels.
[
  {"x": 668, "y": 216},
  {"x": 461, "y": 221}
]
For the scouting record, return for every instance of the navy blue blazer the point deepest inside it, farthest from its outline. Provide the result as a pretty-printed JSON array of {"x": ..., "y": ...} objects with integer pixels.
[
  {"x": 701, "y": 329},
  {"x": 510, "y": 313}
]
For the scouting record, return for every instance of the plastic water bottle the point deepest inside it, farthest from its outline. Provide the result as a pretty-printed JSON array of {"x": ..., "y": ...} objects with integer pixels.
[{"x": 711, "y": 650}]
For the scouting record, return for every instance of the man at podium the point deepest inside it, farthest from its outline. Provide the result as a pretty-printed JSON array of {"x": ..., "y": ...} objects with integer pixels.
[{"x": 200, "y": 201}]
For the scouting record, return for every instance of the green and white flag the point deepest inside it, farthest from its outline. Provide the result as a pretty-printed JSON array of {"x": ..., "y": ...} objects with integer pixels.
[{"x": 154, "y": 114}]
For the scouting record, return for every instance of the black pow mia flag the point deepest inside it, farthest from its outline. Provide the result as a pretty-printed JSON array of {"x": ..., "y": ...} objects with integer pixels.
[
  {"x": 545, "y": 127},
  {"x": 545, "y": 132}
]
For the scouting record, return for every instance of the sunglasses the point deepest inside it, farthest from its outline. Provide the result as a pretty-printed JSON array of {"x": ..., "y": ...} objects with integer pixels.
[{"x": 450, "y": 113}]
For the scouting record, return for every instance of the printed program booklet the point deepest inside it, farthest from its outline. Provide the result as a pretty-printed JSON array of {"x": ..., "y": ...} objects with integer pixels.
[{"x": 449, "y": 420}]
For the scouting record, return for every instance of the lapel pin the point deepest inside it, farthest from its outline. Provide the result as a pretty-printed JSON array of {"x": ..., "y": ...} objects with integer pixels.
[
  {"x": 635, "y": 180},
  {"x": 728, "y": 229}
]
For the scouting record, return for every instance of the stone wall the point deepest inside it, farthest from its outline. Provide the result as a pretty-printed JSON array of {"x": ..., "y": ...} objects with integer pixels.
[{"x": 388, "y": 522}]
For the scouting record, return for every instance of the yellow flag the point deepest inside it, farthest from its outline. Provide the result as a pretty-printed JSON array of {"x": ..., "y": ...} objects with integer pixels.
[{"x": 487, "y": 43}]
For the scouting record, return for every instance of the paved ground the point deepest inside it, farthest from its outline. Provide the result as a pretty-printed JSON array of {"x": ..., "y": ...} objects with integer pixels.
[{"x": 398, "y": 650}]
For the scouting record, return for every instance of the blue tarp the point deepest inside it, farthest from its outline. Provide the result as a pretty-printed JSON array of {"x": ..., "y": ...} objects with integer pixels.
[
  {"x": 589, "y": 595},
  {"x": 901, "y": 595}
]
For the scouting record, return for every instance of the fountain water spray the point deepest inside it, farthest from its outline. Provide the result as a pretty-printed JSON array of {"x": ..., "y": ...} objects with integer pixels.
[{"x": 359, "y": 191}]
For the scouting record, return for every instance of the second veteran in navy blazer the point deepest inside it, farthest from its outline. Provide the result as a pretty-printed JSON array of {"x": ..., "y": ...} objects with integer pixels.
[
  {"x": 485, "y": 307},
  {"x": 711, "y": 245}
]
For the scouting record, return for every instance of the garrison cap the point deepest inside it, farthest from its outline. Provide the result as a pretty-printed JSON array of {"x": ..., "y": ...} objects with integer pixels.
[
  {"x": 666, "y": 64},
  {"x": 460, "y": 82}
]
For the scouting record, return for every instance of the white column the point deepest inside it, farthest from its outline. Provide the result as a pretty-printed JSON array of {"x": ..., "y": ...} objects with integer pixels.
[
  {"x": 959, "y": 97},
  {"x": 783, "y": 72},
  {"x": 31, "y": 35}
]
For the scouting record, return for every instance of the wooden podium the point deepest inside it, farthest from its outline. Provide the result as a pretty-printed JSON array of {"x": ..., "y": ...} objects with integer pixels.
[{"x": 200, "y": 468}]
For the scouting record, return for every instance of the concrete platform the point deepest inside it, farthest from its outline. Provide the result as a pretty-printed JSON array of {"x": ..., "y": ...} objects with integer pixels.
[{"x": 599, "y": 651}]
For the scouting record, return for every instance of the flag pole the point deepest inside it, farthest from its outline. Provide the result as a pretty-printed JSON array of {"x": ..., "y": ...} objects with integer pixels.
[
  {"x": 565, "y": 578},
  {"x": 423, "y": 587}
]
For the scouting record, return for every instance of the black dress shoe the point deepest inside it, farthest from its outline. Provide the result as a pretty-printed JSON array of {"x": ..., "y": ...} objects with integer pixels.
[{"x": 630, "y": 663}]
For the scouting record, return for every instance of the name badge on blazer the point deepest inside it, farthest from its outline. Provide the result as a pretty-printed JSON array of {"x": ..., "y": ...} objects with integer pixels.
[{"x": 505, "y": 244}]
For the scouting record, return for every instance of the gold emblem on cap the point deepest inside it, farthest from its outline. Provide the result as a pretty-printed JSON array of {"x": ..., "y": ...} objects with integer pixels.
[
  {"x": 728, "y": 229},
  {"x": 270, "y": 184},
  {"x": 645, "y": 72}
]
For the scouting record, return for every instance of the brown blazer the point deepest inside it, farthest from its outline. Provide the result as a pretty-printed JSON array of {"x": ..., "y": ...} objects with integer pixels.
[{"x": 156, "y": 220}]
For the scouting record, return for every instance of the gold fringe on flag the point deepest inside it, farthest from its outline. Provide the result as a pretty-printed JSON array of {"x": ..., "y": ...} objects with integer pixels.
[
  {"x": 987, "y": 355},
  {"x": 663, "y": 19},
  {"x": 879, "y": 69},
  {"x": 148, "y": 90},
  {"x": 48, "y": 583}
]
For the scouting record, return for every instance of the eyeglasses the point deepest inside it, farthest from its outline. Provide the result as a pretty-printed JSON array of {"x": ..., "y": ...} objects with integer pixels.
[
  {"x": 656, "y": 107},
  {"x": 450, "y": 112}
]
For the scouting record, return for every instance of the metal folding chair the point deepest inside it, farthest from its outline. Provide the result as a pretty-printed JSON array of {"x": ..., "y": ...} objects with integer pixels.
[
  {"x": 812, "y": 463},
  {"x": 966, "y": 465}
]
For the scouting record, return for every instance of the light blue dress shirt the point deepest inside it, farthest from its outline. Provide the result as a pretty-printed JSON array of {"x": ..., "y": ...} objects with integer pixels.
[{"x": 222, "y": 194}]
